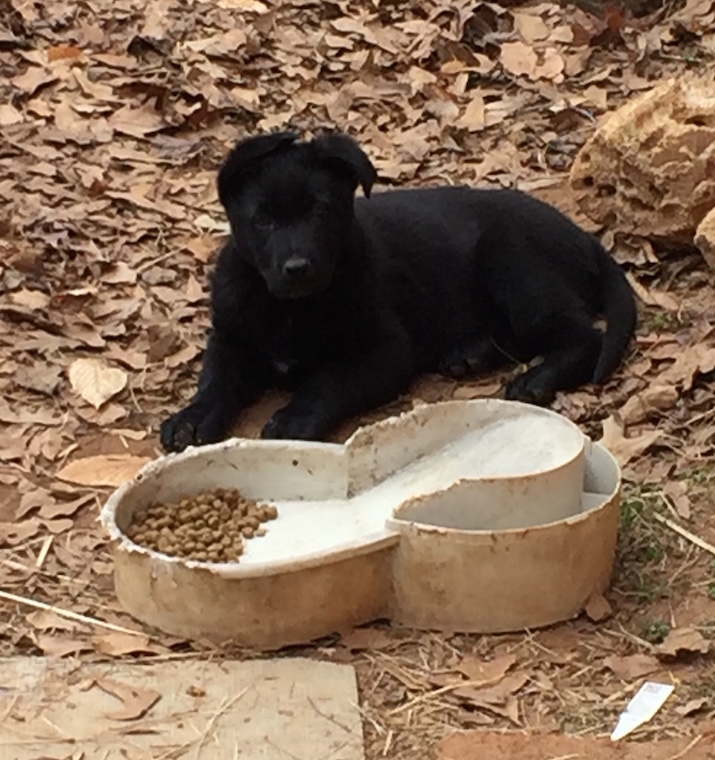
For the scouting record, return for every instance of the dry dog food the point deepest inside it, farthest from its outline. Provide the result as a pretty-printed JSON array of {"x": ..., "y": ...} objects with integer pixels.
[{"x": 210, "y": 527}]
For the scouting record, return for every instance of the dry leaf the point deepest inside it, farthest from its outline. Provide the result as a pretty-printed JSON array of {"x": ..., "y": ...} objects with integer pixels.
[
  {"x": 486, "y": 672},
  {"x": 60, "y": 646},
  {"x": 63, "y": 53},
  {"x": 598, "y": 608},
  {"x": 598, "y": 96},
  {"x": 552, "y": 66},
  {"x": 692, "y": 707},
  {"x": 362, "y": 639},
  {"x": 108, "y": 470},
  {"x": 40, "y": 377},
  {"x": 64, "y": 508},
  {"x": 118, "y": 644},
  {"x": 473, "y": 118},
  {"x": 12, "y": 534},
  {"x": 654, "y": 398},
  {"x": 632, "y": 667},
  {"x": 493, "y": 697},
  {"x": 531, "y": 28},
  {"x": 690, "y": 362},
  {"x": 95, "y": 381},
  {"x": 624, "y": 449},
  {"x": 194, "y": 291},
  {"x": 47, "y": 620},
  {"x": 682, "y": 642},
  {"x": 519, "y": 59},
  {"x": 9, "y": 115},
  {"x": 652, "y": 297},
  {"x": 137, "y": 701},
  {"x": 677, "y": 492}
]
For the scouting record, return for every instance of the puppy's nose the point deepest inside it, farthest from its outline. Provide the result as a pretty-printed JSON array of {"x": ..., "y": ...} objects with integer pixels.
[{"x": 296, "y": 267}]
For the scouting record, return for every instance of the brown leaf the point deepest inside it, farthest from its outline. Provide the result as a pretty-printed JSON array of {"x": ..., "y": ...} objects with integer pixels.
[
  {"x": 33, "y": 79},
  {"x": 39, "y": 377},
  {"x": 107, "y": 470},
  {"x": 9, "y": 115},
  {"x": 60, "y": 646},
  {"x": 682, "y": 642},
  {"x": 499, "y": 698},
  {"x": 677, "y": 492},
  {"x": 362, "y": 639},
  {"x": 63, "y": 53},
  {"x": 598, "y": 608},
  {"x": 632, "y": 667},
  {"x": 47, "y": 620},
  {"x": 622, "y": 448},
  {"x": 689, "y": 363},
  {"x": 519, "y": 59},
  {"x": 95, "y": 381},
  {"x": 531, "y": 28},
  {"x": 120, "y": 274},
  {"x": 118, "y": 644},
  {"x": 692, "y": 707},
  {"x": 137, "y": 122},
  {"x": 194, "y": 290},
  {"x": 652, "y": 297},
  {"x": 652, "y": 399},
  {"x": 12, "y": 534},
  {"x": 58, "y": 526},
  {"x": 552, "y": 66},
  {"x": 137, "y": 701},
  {"x": 64, "y": 508},
  {"x": 474, "y": 116},
  {"x": 486, "y": 672}
]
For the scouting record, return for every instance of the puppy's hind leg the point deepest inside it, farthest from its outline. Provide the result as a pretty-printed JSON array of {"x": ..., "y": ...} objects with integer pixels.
[{"x": 568, "y": 363}]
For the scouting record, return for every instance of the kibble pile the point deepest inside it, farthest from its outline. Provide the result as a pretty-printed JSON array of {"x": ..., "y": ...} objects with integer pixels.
[{"x": 211, "y": 527}]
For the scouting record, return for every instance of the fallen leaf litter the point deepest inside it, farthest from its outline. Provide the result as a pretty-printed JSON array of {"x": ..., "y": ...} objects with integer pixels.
[
  {"x": 429, "y": 93},
  {"x": 210, "y": 527}
]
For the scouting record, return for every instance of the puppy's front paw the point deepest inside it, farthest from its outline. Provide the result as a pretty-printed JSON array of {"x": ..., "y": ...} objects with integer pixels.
[
  {"x": 192, "y": 426},
  {"x": 531, "y": 389},
  {"x": 468, "y": 359},
  {"x": 291, "y": 424}
]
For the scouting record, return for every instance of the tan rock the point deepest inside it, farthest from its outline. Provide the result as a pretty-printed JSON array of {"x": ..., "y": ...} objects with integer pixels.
[
  {"x": 705, "y": 238},
  {"x": 650, "y": 169}
]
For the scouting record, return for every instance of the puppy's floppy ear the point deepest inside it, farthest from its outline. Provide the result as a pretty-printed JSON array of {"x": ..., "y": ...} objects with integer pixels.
[
  {"x": 246, "y": 156},
  {"x": 344, "y": 154}
]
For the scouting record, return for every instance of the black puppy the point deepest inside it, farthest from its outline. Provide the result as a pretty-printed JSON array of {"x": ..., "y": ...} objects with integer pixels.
[{"x": 345, "y": 300}]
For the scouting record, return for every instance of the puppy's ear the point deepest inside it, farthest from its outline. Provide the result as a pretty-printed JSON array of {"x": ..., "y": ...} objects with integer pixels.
[
  {"x": 246, "y": 156},
  {"x": 344, "y": 154}
]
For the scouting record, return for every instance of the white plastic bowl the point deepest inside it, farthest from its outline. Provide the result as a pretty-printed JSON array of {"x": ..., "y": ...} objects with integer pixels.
[{"x": 476, "y": 516}]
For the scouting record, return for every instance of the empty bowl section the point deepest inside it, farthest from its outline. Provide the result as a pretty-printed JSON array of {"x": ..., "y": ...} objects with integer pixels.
[{"x": 450, "y": 574}]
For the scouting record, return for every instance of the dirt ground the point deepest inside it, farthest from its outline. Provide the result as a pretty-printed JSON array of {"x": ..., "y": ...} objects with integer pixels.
[{"x": 113, "y": 118}]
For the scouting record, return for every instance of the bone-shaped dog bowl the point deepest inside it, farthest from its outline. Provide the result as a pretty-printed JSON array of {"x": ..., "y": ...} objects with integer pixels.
[{"x": 473, "y": 516}]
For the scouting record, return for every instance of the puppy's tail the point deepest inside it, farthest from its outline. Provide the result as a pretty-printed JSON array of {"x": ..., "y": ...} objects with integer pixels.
[{"x": 619, "y": 307}]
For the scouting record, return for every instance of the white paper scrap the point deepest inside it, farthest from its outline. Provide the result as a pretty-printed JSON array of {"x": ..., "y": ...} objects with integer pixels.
[{"x": 646, "y": 703}]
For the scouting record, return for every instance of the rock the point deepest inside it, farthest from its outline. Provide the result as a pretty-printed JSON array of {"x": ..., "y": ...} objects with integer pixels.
[
  {"x": 705, "y": 238},
  {"x": 650, "y": 169}
]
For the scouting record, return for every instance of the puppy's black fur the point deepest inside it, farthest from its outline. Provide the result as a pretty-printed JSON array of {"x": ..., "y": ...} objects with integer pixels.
[{"x": 345, "y": 300}]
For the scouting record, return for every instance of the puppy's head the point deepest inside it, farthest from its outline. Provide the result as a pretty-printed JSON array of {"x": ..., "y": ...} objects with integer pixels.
[{"x": 290, "y": 206}]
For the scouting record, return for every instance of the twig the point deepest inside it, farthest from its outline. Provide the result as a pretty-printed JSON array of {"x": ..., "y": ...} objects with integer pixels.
[
  {"x": 212, "y": 721},
  {"x": 42, "y": 556},
  {"x": 66, "y": 613},
  {"x": 699, "y": 542},
  {"x": 428, "y": 695},
  {"x": 684, "y": 752}
]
